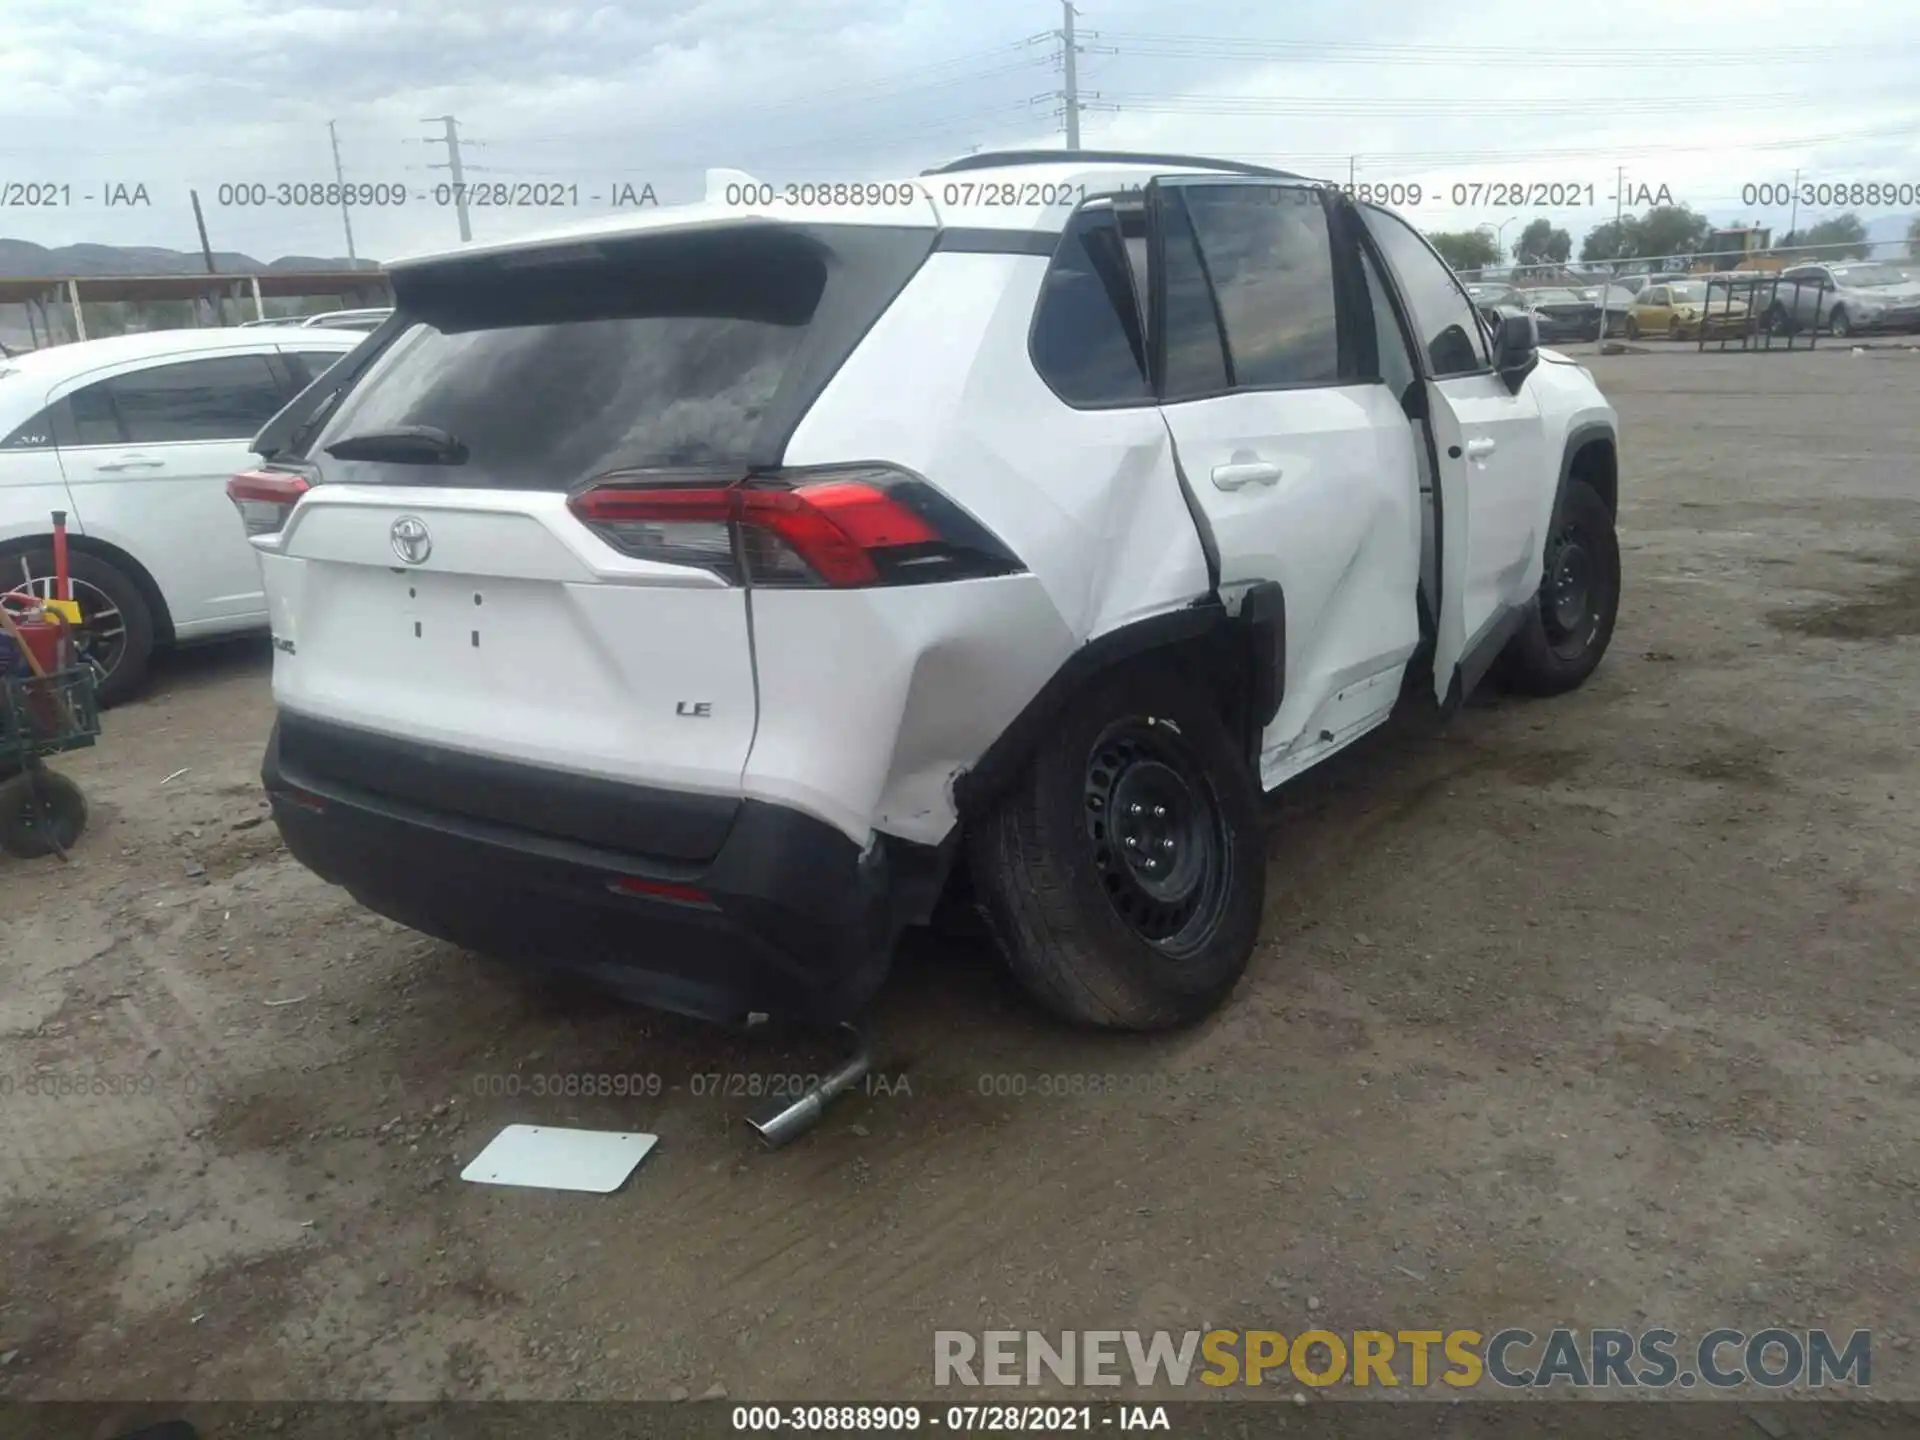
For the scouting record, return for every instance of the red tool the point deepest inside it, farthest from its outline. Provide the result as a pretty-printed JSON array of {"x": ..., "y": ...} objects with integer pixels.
[{"x": 62, "y": 582}]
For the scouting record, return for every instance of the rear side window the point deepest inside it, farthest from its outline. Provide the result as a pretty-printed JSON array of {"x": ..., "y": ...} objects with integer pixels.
[
  {"x": 224, "y": 398},
  {"x": 1269, "y": 254},
  {"x": 94, "y": 419},
  {"x": 310, "y": 365},
  {"x": 1086, "y": 330},
  {"x": 684, "y": 350}
]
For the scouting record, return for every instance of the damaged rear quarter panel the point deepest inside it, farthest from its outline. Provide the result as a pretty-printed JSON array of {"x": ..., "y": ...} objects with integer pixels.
[{"x": 1088, "y": 500}]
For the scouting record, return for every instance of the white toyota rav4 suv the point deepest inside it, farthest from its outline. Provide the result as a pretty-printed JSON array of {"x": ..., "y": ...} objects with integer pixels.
[{"x": 690, "y": 599}]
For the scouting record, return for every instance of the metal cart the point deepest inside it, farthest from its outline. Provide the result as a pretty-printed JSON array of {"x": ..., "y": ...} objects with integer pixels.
[
  {"x": 41, "y": 811},
  {"x": 48, "y": 703}
]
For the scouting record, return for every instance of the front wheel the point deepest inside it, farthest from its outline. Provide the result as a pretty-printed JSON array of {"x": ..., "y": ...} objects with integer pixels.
[
  {"x": 1572, "y": 621},
  {"x": 1675, "y": 330},
  {"x": 1123, "y": 873},
  {"x": 1840, "y": 323},
  {"x": 1633, "y": 328}
]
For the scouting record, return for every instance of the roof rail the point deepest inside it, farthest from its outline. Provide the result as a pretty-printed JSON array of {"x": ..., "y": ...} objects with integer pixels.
[{"x": 992, "y": 160}]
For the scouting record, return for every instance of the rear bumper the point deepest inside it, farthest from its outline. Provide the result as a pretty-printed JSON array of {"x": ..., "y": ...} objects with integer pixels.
[{"x": 788, "y": 917}]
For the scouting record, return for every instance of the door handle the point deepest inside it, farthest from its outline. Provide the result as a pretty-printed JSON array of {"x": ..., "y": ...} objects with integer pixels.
[
  {"x": 1481, "y": 448},
  {"x": 1255, "y": 472},
  {"x": 131, "y": 462}
]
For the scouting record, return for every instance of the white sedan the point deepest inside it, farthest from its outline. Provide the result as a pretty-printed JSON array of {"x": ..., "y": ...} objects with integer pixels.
[{"x": 135, "y": 438}]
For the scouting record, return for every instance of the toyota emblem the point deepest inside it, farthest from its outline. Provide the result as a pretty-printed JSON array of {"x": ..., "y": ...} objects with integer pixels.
[{"x": 410, "y": 539}]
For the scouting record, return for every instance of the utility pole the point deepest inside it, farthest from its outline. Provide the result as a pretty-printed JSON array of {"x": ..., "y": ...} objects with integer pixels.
[
  {"x": 346, "y": 216},
  {"x": 1794, "y": 223},
  {"x": 1353, "y": 162},
  {"x": 200, "y": 224},
  {"x": 206, "y": 253},
  {"x": 1070, "y": 52},
  {"x": 452, "y": 141}
]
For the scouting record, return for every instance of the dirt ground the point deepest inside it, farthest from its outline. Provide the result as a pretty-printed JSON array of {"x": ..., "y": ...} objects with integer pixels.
[{"x": 1599, "y": 1011}]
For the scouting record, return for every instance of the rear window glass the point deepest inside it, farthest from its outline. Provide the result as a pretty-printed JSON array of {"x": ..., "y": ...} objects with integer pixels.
[
  {"x": 1086, "y": 333},
  {"x": 562, "y": 372}
]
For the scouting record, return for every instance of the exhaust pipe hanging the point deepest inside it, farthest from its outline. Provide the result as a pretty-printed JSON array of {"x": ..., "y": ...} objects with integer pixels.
[{"x": 795, "y": 1117}]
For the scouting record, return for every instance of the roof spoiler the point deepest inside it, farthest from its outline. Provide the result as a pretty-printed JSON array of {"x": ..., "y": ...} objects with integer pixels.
[{"x": 719, "y": 180}]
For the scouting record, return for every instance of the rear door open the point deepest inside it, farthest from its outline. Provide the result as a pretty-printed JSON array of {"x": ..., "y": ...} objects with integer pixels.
[{"x": 433, "y": 584}]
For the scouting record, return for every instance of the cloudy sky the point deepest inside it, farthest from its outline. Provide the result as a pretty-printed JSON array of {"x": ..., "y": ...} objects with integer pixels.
[{"x": 180, "y": 94}]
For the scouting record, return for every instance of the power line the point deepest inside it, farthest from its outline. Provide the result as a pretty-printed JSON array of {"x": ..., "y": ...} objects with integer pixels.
[
  {"x": 1386, "y": 107},
  {"x": 1169, "y": 46},
  {"x": 913, "y": 82},
  {"x": 1609, "y": 152}
]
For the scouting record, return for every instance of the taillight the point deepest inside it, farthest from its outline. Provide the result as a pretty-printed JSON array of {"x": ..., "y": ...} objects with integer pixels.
[
  {"x": 840, "y": 527},
  {"x": 265, "y": 498}
]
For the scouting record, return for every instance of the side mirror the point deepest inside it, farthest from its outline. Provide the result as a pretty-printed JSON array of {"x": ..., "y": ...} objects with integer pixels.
[{"x": 1516, "y": 349}]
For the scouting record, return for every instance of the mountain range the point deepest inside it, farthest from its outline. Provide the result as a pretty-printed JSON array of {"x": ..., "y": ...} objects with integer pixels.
[{"x": 22, "y": 258}]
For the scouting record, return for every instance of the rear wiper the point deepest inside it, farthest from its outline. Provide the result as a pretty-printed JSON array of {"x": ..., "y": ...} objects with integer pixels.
[{"x": 403, "y": 445}]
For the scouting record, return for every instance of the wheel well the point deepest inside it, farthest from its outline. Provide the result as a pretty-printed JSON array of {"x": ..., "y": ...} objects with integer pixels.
[
  {"x": 114, "y": 556},
  {"x": 1203, "y": 646},
  {"x": 1596, "y": 463}
]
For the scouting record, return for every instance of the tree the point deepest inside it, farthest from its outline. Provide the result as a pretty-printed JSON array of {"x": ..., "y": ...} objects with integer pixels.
[
  {"x": 1615, "y": 240},
  {"x": 1541, "y": 244},
  {"x": 1913, "y": 238},
  {"x": 1671, "y": 230},
  {"x": 1844, "y": 231},
  {"x": 1465, "y": 249},
  {"x": 1663, "y": 230}
]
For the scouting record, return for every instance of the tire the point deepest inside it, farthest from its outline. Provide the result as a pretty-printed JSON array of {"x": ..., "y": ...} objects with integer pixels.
[
  {"x": 1840, "y": 324},
  {"x": 40, "y": 812},
  {"x": 1633, "y": 328},
  {"x": 1572, "y": 623},
  {"x": 117, "y": 622},
  {"x": 1675, "y": 330},
  {"x": 1086, "y": 928},
  {"x": 1776, "y": 322}
]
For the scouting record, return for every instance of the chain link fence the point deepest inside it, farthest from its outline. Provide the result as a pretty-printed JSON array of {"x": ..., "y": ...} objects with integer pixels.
[{"x": 1780, "y": 298}]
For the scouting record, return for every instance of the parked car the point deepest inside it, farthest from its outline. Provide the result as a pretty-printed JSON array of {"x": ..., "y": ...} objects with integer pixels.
[
  {"x": 1565, "y": 314},
  {"x": 361, "y": 320},
  {"x": 1491, "y": 299},
  {"x": 696, "y": 599},
  {"x": 1619, "y": 296},
  {"x": 135, "y": 438},
  {"x": 1854, "y": 298},
  {"x": 1678, "y": 309}
]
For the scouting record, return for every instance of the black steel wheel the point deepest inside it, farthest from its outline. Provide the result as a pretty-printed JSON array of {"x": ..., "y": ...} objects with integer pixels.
[
  {"x": 1122, "y": 873},
  {"x": 1572, "y": 621},
  {"x": 1158, "y": 837},
  {"x": 1571, "y": 592},
  {"x": 1840, "y": 324}
]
